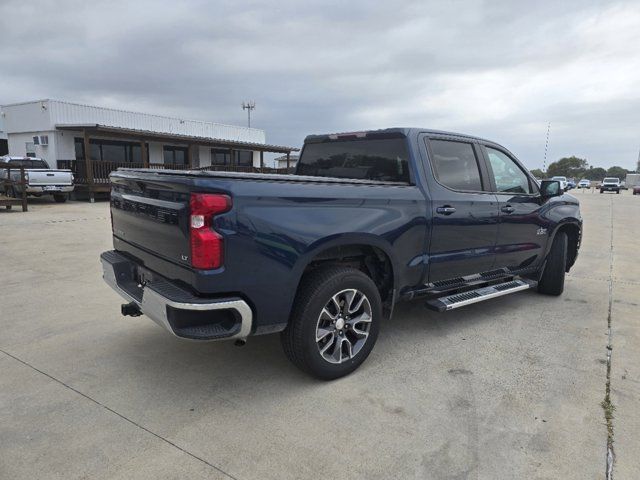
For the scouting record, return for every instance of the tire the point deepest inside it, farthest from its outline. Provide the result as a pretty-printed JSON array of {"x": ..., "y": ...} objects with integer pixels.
[
  {"x": 315, "y": 313},
  {"x": 552, "y": 279},
  {"x": 60, "y": 198},
  {"x": 618, "y": 192}
]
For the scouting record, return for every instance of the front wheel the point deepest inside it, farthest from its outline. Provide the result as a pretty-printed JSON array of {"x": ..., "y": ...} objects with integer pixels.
[
  {"x": 334, "y": 323},
  {"x": 552, "y": 278}
]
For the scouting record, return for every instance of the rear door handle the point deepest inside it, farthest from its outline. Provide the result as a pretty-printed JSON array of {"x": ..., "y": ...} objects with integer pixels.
[
  {"x": 508, "y": 209},
  {"x": 446, "y": 210}
]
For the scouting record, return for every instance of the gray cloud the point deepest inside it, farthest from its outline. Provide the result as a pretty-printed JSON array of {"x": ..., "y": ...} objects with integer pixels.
[{"x": 497, "y": 69}]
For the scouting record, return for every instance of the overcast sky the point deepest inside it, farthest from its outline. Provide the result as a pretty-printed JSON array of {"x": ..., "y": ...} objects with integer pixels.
[{"x": 497, "y": 69}]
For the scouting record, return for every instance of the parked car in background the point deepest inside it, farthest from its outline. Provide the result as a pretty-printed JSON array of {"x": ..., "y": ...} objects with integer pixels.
[
  {"x": 563, "y": 182},
  {"x": 368, "y": 219},
  {"x": 610, "y": 184},
  {"x": 40, "y": 177},
  {"x": 636, "y": 190},
  {"x": 584, "y": 183},
  {"x": 571, "y": 184}
]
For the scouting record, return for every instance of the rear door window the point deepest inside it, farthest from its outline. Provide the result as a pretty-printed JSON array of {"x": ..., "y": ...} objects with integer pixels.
[
  {"x": 455, "y": 165},
  {"x": 370, "y": 159}
]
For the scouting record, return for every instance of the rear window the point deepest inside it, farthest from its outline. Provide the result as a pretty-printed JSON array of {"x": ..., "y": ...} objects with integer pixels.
[
  {"x": 367, "y": 159},
  {"x": 28, "y": 163},
  {"x": 611, "y": 180}
]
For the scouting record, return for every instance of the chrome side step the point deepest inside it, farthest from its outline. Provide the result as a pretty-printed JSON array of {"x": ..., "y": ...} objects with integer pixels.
[{"x": 458, "y": 300}]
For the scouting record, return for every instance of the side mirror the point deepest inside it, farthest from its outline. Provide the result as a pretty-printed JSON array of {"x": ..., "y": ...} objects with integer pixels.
[{"x": 550, "y": 188}]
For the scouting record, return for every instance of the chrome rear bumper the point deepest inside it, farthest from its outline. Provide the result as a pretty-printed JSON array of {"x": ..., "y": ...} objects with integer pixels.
[{"x": 175, "y": 309}]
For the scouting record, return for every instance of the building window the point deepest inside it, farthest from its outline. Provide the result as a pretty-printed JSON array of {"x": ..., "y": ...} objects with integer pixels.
[
  {"x": 30, "y": 149},
  {"x": 220, "y": 157},
  {"x": 110, "y": 150},
  {"x": 175, "y": 155},
  {"x": 243, "y": 158}
]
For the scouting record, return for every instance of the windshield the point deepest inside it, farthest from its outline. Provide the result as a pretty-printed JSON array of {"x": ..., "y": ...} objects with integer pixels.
[
  {"x": 29, "y": 163},
  {"x": 561, "y": 179},
  {"x": 611, "y": 180},
  {"x": 368, "y": 159}
]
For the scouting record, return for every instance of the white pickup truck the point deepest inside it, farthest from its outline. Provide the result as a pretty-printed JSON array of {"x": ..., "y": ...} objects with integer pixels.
[
  {"x": 41, "y": 179},
  {"x": 563, "y": 182}
]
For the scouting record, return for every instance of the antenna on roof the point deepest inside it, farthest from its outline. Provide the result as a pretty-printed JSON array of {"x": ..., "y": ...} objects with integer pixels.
[{"x": 250, "y": 105}]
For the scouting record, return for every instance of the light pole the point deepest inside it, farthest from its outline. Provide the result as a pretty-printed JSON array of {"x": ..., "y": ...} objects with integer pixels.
[{"x": 250, "y": 105}]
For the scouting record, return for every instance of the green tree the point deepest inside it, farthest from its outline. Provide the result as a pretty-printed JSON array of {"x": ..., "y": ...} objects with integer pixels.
[
  {"x": 536, "y": 172},
  {"x": 571, "y": 167},
  {"x": 617, "y": 172},
  {"x": 597, "y": 173}
]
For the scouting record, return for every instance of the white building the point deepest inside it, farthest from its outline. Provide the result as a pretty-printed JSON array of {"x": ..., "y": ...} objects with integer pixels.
[
  {"x": 283, "y": 162},
  {"x": 60, "y": 132}
]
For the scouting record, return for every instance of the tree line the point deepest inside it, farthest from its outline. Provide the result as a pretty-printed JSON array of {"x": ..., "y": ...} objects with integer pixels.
[{"x": 574, "y": 167}]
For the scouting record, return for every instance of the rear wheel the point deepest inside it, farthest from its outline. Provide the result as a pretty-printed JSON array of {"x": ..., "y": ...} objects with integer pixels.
[
  {"x": 552, "y": 278},
  {"x": 334, "y": 324}
]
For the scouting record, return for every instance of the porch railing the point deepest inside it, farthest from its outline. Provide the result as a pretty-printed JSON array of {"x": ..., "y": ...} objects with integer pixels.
[{"x": 101, "y": 169}]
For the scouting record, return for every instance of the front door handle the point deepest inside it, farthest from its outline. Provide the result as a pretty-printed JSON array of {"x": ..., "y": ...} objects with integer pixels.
[
  {"x": 446, "y": 210},
  {"x": 508, "y": 209}
]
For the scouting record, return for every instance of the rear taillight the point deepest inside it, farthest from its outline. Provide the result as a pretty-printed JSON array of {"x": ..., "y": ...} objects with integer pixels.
[{"x": 206, "y": 244}]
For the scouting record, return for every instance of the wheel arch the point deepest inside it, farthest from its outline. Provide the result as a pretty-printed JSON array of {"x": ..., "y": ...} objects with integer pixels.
[
  {"x": 366, "y": 252},
  {"x": 573, "y": 229}
]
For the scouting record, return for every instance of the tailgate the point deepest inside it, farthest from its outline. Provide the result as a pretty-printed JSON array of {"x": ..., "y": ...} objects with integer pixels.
[
  {"x": 50, "y": 177},
  {"x": 152, "y": 216}
]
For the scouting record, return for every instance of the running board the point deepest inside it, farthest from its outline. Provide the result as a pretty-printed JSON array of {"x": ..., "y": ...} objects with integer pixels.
[{"x": 458, "y": 300}]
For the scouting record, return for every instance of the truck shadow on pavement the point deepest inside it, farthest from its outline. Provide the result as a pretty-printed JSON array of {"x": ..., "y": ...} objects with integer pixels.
[{"x": 155, "y": 357}]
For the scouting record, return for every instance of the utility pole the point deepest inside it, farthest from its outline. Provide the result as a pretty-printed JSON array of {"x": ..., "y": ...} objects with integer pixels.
[
  {"x": 546, "y": 147},
  {"x": 250, "y": 105},
  {"x": 638, "y": 165}
]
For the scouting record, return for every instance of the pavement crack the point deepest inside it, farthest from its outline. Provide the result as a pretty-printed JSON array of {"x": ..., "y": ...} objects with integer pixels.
[
  {"x": 123, "y": 417},
  {"x": 607, "y": 405}
]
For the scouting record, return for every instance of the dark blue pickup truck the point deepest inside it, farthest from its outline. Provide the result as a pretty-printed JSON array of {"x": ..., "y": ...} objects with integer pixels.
[{"x": 368, "y": 219}]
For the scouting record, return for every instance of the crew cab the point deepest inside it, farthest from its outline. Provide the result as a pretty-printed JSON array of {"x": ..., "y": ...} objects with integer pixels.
[
  {"x": 40, "y": 177},
  {"x": 368, "y": 219},
  {"x": 610, "y": 184}
]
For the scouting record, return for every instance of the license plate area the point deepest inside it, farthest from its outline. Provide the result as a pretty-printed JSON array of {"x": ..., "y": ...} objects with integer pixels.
[
  {"x": 51, "y": 188},
  {"x": 142, "y": 276}
]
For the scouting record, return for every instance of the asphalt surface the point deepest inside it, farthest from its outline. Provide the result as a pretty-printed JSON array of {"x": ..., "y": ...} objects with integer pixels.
[{"x": 509, "y": 388}]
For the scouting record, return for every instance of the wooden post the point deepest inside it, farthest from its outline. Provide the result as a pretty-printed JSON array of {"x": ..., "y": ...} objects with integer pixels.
[
  {"x": 143, "y": 154},
  {"x": 261, "y": 161},
  {"x": 232, "y": 163},
  {"x": 23, "y": 181},
  {"x": 288, "y": 161},
  {"x": 87, "y": 165},
  {"x": 190, "y": 151}
]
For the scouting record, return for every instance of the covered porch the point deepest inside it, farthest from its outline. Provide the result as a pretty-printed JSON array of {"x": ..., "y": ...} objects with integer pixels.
[{"x": 101, "y": 149}]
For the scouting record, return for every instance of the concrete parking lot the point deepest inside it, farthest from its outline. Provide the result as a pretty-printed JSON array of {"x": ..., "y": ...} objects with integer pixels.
[{"x": 510, "y": 388}]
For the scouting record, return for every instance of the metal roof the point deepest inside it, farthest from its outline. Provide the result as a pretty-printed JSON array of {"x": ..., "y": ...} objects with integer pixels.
[{"x": 95, "y": 128}]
